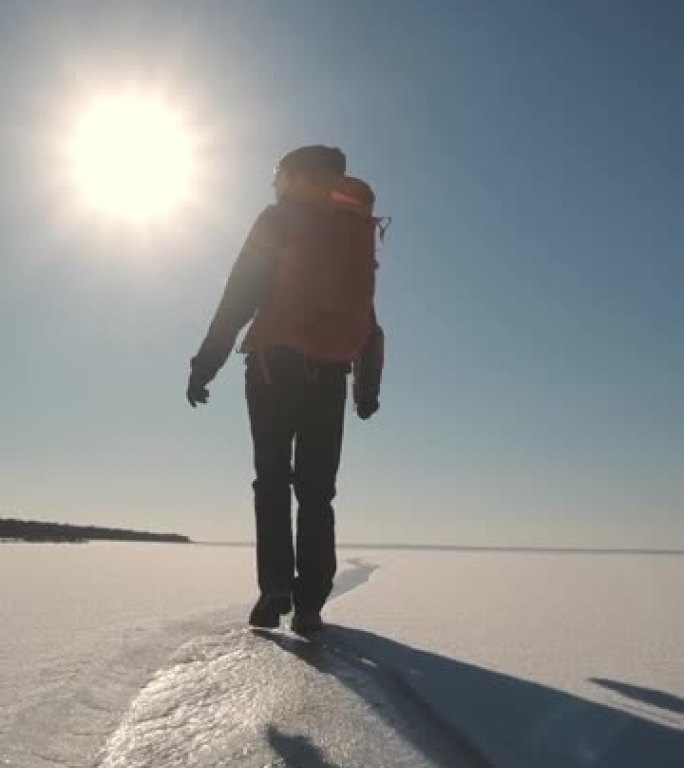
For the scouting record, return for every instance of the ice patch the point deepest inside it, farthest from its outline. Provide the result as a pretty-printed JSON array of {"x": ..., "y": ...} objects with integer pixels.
[{"x": 259, "y": 699}]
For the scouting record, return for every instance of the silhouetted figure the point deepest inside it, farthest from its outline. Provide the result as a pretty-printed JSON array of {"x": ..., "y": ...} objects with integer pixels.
[{"x": 306, "y": 277}]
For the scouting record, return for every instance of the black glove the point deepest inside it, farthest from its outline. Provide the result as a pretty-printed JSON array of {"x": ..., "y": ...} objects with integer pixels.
[
  {"x": 197, "y": 391},
  {"x": 366, "y": 408},
  {"x": 367, "y": 374}
]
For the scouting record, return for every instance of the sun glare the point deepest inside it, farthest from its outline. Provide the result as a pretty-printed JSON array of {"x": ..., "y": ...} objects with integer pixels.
[{"x": 132, "y": 157}]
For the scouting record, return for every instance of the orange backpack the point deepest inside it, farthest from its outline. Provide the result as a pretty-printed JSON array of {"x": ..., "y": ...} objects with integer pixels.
[{"x": 321, "y": 299}]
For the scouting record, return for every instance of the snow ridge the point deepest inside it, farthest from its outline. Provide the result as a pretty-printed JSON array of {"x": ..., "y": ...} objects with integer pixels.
[
  {"x": 272, "y": 699},
  {"x": 257, "y": 699}
]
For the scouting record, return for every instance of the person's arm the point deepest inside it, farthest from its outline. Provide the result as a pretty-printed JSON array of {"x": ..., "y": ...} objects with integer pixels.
[
  {"x": 367, "y": 372},
  {"x": 245, "y": 288}
]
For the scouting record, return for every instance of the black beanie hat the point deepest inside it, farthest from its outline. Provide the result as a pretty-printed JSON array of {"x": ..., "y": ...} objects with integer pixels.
[{"x": 314, "y": 159}]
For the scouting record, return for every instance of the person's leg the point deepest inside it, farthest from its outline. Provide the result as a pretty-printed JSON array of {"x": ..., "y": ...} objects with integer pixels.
[
  {"x": 270, "y": 405},
  {"x": 318, "y": 445}
]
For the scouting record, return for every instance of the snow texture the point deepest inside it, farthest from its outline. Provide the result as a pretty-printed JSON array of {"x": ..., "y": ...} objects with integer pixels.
[
  {"x": 271, "y": 699},
  {"x": 137, "y": 655}
]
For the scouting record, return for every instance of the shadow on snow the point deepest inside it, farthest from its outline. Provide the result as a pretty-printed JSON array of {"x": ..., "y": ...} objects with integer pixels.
[
  {"x": 648, "y": 696},
  {"x": 508, "y": 721},
  {"x": 296, "y": 751}
]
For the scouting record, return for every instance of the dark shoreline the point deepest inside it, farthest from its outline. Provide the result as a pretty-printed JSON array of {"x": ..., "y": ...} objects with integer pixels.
[{"x": 58, "y": 533}]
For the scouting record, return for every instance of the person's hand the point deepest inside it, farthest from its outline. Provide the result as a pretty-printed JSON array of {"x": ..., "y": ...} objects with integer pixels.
[
  {"x": 366, "y": 408},
  {"x": 196, "y": 392}
]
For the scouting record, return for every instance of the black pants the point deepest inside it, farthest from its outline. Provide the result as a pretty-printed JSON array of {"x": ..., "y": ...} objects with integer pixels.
[{"x": 295, "y": 406}]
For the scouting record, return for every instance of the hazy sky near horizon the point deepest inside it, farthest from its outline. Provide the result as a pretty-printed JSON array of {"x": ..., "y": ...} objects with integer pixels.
[{"x": 530, "y": 286}]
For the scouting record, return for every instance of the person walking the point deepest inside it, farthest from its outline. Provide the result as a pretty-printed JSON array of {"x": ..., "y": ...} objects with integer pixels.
[{"x": 305, "y": 277}]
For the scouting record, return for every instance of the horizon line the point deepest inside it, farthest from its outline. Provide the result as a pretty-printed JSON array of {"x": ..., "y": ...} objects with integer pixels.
[{"x": 477, "y": 548}]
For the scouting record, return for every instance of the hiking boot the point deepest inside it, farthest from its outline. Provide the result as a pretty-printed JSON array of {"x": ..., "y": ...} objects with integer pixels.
[
  {"x": 269, "y": 608},
  {"x": 306, "y": 622}
]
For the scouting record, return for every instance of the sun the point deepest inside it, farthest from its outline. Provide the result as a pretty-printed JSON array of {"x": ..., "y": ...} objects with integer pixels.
[{"x": 132, "y": 157}]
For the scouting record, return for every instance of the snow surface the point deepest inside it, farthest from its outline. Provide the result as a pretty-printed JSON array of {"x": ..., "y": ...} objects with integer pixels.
[{"x": 138, "y": 655}]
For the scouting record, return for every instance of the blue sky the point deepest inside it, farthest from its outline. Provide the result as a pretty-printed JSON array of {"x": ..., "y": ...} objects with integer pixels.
[{"x": 530, "y": 287}]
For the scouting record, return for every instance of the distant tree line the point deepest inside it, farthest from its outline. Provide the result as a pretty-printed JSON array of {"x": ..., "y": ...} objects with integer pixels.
[{"x": 27, "y": 530}]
